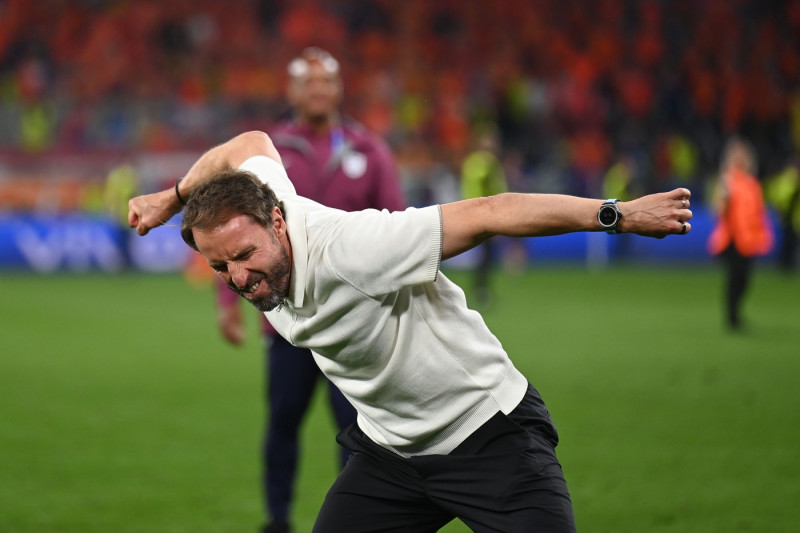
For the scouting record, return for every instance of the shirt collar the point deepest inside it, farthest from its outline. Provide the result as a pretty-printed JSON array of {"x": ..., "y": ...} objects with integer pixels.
[{"x": 298, "y": 238}]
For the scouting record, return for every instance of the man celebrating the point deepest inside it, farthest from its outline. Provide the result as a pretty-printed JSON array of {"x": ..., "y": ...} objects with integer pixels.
[
  {"x": 340, "y": 164},
  {"x": 447, "y": 427}
]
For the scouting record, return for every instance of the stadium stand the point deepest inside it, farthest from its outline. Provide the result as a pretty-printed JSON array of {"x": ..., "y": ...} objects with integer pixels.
[{"x": 573, "y": 86}]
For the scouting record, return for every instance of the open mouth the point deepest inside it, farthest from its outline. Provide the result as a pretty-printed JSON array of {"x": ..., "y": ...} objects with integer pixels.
[
  {"x": 254, "y": 287},
  {"x": 250, "y": 289}
]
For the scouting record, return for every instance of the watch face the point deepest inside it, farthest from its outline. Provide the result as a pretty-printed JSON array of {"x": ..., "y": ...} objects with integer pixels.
[{"x": 607, "y": 216}]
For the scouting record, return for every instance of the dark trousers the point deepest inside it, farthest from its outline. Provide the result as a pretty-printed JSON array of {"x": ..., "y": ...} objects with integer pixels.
[
  {"x": 504, "y": 478},
  {"x": 787, "y": 254},
  {"x": 293, "y": 376},
  {"x": 483, "y": 271},
  {"x": 738, "y": 271}
]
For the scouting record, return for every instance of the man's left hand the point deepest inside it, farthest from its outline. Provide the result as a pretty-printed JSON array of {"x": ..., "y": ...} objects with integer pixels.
[{"x": 657, "y": 215}]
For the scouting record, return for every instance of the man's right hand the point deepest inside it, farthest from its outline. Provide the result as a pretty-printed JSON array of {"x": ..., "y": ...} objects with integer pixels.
[
  {"x": 152, "y": 210},
  {"x": 231, "y": 324}
]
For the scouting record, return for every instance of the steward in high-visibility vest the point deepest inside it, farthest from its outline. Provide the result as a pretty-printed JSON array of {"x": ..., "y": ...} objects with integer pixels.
[
  {"x": 783, "y": 193},
  {"x": 482, "y": 174},
  {"x": 743, "y": 220},
  {"x": 743, "y": 230}
]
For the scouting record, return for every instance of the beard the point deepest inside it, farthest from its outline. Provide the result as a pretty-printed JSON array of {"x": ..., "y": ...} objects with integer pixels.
[{"x": 276, "y": 279}]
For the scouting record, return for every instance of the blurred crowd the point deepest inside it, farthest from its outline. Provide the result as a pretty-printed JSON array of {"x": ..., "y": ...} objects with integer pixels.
[{"x": 647, "y": 89}]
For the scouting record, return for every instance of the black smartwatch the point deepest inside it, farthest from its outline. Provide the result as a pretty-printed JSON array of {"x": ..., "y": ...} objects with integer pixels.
[{"x": 609, "y": 215}]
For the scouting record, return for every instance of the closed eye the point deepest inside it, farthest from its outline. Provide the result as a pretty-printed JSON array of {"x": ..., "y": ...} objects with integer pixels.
[
  {"x": 219, "y": 267},
  {"x": 241, "y": 256},
  {"x": 244, "y": 254}
]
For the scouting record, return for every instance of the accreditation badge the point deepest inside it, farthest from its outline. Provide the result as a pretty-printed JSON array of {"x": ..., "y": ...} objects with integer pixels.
[{"x": 354, "y": 165}]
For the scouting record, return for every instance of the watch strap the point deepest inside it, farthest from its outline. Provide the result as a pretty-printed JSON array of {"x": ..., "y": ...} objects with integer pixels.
[{"x": 611, "y": 202}]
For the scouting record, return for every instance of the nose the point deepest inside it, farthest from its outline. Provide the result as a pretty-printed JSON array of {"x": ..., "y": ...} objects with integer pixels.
[{"x": 238, "y": 275}]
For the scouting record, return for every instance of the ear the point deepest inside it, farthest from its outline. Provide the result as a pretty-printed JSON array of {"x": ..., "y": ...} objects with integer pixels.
[{"x": 278, "y": 222}]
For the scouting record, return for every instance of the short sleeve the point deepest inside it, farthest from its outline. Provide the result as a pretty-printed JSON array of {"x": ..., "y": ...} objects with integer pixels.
[{"x": 380, "y": 252}]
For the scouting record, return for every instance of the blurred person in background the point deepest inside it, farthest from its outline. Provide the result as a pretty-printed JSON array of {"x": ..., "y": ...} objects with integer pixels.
[
  {"x": 482, "y": 175},
  {"x": 620, "y": 182},
  {"x": 743, "y": 229},
  {"x": 783, "y": 193},
  {"x": 338, "y": 163},
  {"x": 121, "y": 184}
]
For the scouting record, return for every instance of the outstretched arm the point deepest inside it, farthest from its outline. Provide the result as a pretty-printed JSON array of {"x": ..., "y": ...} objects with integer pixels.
[
  {"x": 467, "y": 223},
  {"x": 152, "y": 210}
]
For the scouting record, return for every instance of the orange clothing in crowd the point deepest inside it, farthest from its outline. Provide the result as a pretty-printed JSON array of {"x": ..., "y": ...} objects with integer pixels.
[{"x": 743, "y": 220}]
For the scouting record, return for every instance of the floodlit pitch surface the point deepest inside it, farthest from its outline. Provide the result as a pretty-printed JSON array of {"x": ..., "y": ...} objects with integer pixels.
[{"x": 122, "y": 410}]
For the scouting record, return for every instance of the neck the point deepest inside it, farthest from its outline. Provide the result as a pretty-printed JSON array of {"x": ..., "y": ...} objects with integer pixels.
[{"x": 321, "y": 123}]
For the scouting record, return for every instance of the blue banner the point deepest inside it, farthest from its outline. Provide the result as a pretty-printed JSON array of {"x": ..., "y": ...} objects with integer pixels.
[{"x": 81, "y": 242}]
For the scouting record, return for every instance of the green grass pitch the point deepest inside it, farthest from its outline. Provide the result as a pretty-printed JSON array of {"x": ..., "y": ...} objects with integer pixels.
[{"x": 122, "y": 410}]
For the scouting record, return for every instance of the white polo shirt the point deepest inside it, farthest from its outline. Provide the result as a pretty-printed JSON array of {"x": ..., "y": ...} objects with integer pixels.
[{"x": 388, "y": 329}]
